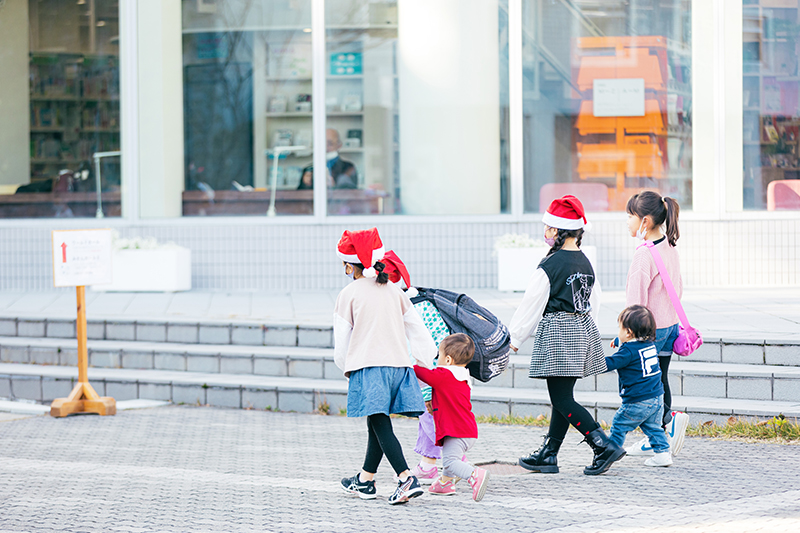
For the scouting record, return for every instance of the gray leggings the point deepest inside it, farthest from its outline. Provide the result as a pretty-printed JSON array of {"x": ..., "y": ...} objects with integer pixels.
[{"x": 453, "y": 449}]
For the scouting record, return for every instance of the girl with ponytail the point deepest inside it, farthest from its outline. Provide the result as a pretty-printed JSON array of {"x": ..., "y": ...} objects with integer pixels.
[
  {"x": 654, "y": 218},
  {"x": 374, "y": 325}
]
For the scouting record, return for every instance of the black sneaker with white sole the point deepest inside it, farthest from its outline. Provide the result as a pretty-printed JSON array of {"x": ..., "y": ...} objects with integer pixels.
[
  {"x": 410, "y": 488},
  {"x": 364, "y": 489}
]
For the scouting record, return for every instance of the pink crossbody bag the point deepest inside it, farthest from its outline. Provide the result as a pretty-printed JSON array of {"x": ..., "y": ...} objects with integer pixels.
[{"x": 689, "y": 339}]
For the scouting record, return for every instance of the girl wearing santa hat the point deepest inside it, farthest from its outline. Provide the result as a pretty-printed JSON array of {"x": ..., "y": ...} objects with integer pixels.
[
  {"x": 374, "y": 323},
  {"x": 558, "y": 305}
]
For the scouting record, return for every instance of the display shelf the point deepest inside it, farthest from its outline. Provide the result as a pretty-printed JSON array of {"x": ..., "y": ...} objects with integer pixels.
[{"x": 74, "y": 109}]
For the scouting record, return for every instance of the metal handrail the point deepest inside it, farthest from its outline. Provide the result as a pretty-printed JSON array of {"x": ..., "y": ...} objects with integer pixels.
[{"x": 97, "y": 156}]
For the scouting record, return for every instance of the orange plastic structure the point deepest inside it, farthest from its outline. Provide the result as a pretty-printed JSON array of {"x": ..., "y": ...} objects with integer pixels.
[{"x": 622, "y": 149}]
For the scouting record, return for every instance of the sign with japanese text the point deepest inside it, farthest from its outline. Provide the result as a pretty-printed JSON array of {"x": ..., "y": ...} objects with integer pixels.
[
  {"x": 81, "y": 257},
  {"x": 618, "y": 97}
]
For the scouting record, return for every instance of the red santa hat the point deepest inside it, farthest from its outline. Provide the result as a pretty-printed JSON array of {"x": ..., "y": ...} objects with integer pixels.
[
  {"x": 565, "y": 213},
  {"x": 364, "y": 247},
  {"x": 395, "y": 268}
]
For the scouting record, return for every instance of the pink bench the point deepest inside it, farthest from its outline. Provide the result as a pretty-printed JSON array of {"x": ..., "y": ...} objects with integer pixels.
[{"x": 783, "y": 194}]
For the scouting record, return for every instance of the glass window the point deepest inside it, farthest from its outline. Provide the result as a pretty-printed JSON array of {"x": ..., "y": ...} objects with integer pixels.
[
  {"x": 416, "y": 107},
  {"x": 607, "y": 101},
  {"x": 60, "y": 132},
  {"x": 770, "y": 96},
  {"x": 247, "y": 107}
]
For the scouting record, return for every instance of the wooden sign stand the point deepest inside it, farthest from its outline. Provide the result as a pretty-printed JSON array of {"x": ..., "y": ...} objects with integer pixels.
[{"x": 83, "y": 398}]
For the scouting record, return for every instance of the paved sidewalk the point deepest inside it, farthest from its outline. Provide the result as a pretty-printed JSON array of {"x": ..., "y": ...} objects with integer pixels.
[
  {"x": 737, "y": 314},
  {"x": 188, "y": 469}
]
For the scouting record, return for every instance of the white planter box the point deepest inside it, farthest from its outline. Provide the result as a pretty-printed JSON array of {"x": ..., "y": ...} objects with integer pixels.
[
  {"x": 166, "y": 270},
  {"x": 516, "y": 265}
]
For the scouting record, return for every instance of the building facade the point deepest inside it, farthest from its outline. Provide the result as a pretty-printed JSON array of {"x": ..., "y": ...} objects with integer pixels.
[{"x": 254, "y": 131}]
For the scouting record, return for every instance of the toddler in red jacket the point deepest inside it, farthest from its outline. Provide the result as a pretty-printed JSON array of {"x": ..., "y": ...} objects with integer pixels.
[{"x": 456, "y": 429}]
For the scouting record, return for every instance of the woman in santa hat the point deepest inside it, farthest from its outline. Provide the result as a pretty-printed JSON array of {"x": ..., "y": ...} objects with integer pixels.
[
  {"x": 374, "y": 322},
  {"x": 558, "y": 305}
]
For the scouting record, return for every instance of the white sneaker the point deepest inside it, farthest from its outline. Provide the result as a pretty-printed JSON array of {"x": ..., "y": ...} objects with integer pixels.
[
  {"x": 641, "y": 448},
  {"x": 676, "y": 431},
  {"x": 659, "y": 459}
]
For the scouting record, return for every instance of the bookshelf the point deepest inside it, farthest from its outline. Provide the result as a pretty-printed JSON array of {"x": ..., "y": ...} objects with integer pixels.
[
  {"x": 770, "y": 95},
  {"x": 74, "y": 111}
]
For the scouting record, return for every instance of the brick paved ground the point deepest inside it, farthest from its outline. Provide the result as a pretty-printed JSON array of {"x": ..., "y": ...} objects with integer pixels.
[{"x": 202, "y": 469}]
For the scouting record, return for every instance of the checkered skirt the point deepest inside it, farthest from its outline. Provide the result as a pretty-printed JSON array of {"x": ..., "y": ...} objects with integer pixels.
[{"x": 567, "y": 345}]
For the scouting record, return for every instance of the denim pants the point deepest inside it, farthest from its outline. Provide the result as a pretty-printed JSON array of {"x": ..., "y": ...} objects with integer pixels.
[{"x": 645, "y": 414}]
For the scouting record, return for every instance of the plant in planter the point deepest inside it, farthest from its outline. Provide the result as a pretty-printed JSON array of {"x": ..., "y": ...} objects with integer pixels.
[
  {"x": 143, "y": 265},
  {"x": 518, "y": 255}
]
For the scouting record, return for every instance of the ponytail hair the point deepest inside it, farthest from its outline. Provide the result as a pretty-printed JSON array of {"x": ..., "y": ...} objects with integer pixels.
[
  {"x": 563, "y": 235},
  {"x": 383, "y": 277},
  {"x": 662, "y": 210}
]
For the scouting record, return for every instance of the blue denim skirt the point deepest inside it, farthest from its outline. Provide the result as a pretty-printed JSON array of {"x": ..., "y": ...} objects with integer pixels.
[
  {"x": 384, "y": 389},
  {"x": 665, "y": 338}
]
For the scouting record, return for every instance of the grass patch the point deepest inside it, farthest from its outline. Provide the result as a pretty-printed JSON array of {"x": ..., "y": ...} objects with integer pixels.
[{"x": 778, "y": 429}]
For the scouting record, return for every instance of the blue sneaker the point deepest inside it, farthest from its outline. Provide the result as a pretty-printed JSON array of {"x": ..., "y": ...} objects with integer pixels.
[
  {"x": 364, "y": 489},
  {"x": 405, "y": 491},
  {"x": 641, "y": 448}
]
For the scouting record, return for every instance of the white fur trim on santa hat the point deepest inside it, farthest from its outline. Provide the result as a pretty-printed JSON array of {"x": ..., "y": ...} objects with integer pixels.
[
  {"x": 562, "y": 223},
  {"x": 412, "y": 292},
  {"x": 377, "y": 255},
  {"x": 370, "y": 273}
]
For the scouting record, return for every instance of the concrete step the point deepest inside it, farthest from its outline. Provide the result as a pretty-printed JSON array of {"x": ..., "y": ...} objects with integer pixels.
[
  {"x": 718, "y": 380},
  {"x": 770, "y": 351},
  {"x": 44, "y": 383},
  {"x": 239, "y": 332}
]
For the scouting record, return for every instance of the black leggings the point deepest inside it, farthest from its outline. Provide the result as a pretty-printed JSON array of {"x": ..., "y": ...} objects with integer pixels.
[
  {"x": 566, "y": 410},
  {"x": 383, "y": 441},
  {"x": 663, "y": 364}
]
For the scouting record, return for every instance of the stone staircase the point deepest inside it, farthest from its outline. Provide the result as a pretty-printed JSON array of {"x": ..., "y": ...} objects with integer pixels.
[{"x": 289, "y": 367}]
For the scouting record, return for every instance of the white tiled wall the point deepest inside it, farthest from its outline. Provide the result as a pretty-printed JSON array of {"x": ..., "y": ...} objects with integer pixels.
[{"x": 241, "y": 257}]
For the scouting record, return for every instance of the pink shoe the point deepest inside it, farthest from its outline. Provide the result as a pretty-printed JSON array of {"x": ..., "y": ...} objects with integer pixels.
[
  {"x": 478, "y": 481},
  {"x": 445, "y": 489},
  {"x": 425, "y": 477}
]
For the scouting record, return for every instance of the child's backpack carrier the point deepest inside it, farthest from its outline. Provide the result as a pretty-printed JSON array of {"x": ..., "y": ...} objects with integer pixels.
[{"x": 463, "y": 315}]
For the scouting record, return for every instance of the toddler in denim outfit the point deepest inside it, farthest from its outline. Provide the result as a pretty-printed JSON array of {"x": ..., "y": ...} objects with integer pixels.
[{"x": 636, "y": 363}]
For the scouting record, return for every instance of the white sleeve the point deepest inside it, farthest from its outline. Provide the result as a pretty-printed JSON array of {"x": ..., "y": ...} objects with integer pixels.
[
  {"x": 594, "y": 301},
  {"x": 530, "y": 311},
  {"x": 423, "y": 349},
  {"x": 341, "y": 340}
]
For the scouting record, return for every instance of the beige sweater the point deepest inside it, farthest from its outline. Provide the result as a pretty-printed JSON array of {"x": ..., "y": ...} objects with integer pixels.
[{"x": 374, "y": 325}]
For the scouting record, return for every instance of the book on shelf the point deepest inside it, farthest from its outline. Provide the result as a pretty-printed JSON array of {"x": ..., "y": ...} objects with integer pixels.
[
  {"x": 278, "y": 104},
  {"x": 354, "y": 138},
  {"x": 351, "y": 102},
  {"x": 303, "y": 103}
]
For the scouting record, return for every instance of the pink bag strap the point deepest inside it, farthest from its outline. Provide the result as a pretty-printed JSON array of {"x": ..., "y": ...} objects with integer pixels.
[{"x": 662, "y": 269}]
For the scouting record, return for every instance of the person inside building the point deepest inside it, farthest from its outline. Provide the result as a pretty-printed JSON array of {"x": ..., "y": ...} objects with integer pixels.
[{"x": 341, "y": 173}]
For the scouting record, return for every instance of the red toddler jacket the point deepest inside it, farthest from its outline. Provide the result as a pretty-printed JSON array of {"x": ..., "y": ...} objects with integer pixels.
[{"x": 452, "y": 408}]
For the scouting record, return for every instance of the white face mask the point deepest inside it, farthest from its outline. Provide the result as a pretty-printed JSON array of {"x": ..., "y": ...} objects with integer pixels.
[
  {"x": 331, "y": 155},
  {"x": 641, "y": 233}
]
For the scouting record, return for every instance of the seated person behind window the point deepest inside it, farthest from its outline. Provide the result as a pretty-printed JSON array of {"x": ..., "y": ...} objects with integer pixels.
[{"x": 341, "y": 174}]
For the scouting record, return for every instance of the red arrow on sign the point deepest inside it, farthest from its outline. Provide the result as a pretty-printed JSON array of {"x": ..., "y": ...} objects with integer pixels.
[{"x": 63, "y": 252}]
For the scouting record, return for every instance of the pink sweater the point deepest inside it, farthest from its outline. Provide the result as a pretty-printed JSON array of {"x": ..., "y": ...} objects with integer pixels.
[{"x": 644, "y": 286}]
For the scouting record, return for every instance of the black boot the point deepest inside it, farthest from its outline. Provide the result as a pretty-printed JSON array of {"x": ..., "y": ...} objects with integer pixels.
[
  {"x": 544, "y": 459},
  {"x": 605, "y": 452}
]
